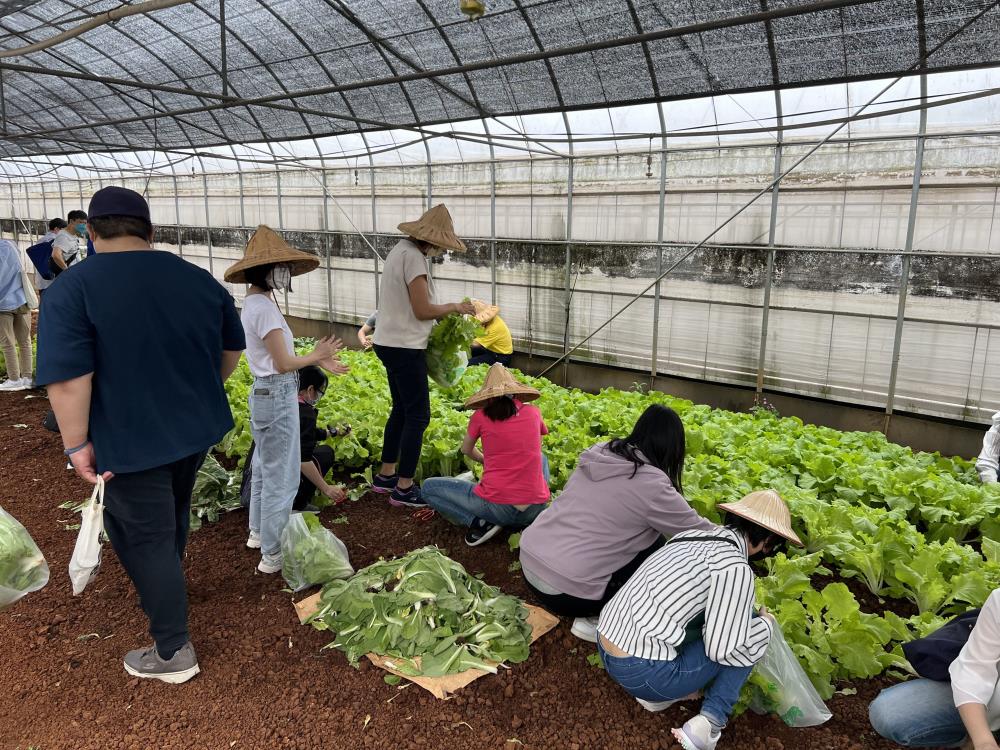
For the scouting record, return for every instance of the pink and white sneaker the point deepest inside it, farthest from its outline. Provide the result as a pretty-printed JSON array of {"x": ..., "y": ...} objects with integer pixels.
[{"x": 697, "y": 734}]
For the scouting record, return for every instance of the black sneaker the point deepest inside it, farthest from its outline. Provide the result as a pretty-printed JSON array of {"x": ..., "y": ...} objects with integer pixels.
[
  {"x": 481, "y": 531},
  {"x": 384, "y": 485},
  {"x": 408, "y": 498}
]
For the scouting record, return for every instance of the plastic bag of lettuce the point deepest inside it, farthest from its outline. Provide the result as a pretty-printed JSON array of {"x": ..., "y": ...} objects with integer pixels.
[
  {"x": 311, "y": 554},
  {"x": 22, "y": 567},
  {"x": 448, "y": 348}
]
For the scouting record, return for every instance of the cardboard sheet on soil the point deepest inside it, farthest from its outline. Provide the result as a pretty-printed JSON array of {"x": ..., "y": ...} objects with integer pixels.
[{"x": 541, "y": 622}]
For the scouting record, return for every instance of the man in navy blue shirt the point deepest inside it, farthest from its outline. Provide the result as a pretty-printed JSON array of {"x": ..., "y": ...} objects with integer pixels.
[{"x": 134, "y": 346}]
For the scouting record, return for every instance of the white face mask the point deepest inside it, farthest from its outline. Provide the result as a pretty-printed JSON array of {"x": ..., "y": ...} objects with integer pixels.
[{"x": 280, "y": 277}]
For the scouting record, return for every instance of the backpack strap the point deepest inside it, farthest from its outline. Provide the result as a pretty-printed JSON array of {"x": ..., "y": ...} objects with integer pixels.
[{"x": 702, "y": 539}]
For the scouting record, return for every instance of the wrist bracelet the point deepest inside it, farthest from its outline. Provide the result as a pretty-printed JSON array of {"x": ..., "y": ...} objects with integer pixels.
[{"x": 77, "y": 449}]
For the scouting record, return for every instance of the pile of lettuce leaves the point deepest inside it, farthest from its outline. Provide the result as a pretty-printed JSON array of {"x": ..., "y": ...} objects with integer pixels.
[{"x": 424, "y": 604}]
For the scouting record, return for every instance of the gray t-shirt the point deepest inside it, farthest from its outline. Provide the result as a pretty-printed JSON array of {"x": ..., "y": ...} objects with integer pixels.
[
  {"x": 66, "y": 244},
  {"x": 397, "y": 325}
]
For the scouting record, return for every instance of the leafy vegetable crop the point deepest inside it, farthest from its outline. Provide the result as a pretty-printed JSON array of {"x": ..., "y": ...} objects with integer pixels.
[
  {"x": 424, "y": 605},
  {"x": 216, "y": 491},
  {"x": 907, "y": 526},
  {"x": 449, "y": 342}
]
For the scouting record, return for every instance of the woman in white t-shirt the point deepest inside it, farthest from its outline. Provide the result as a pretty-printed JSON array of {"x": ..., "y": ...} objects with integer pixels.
[
  {"x": 406, "y": 314},
  {"x": 268, "y": 266},
  {"x": 962, "y": 713}
]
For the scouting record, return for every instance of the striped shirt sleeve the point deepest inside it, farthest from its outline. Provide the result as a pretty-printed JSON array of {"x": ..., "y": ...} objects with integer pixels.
[
  {"x": 988, "y": 462},
  {"x": 733, "y": 635}
]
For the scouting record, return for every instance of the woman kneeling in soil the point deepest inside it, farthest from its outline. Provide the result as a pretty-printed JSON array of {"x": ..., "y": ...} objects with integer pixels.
[
  {"x": 963, "y": 713},
  {"x": 623, "y": 497},
  {"x": 515, "y": 484},
  {"x": 686, "y": 619}
]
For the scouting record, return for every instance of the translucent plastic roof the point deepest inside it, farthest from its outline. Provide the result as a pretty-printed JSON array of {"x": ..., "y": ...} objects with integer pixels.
[{"x": 177, "y": 77}]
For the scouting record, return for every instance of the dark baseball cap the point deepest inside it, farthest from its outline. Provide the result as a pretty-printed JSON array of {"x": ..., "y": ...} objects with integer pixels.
[{"x": 118, "y": 201}]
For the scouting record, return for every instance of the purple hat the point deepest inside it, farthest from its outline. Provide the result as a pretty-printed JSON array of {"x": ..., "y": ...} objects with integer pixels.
[{"x": 118, "y": 201}]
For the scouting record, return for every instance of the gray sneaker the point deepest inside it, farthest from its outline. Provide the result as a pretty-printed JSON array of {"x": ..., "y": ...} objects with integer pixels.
[{"x": 145, "y": 662}]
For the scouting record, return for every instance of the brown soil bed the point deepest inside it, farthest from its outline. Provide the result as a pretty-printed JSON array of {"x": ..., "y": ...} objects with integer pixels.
[{"x": 266, "y": 680}]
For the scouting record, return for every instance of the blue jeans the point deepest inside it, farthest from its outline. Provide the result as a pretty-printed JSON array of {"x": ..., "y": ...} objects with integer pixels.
[
  {"x": 454, "y": 499},
  {"x": 274, "y": 423},
  {"x": 918, "y": 713},
  {"x": 691, "y": 671}
]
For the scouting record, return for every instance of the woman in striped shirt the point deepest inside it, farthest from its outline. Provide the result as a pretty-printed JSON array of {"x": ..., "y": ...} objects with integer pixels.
[{"x": 686, "y": 618}]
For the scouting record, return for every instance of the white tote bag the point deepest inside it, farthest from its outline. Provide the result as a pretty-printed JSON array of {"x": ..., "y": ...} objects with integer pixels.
[
  {"x": 86, "y": 559},
  {"x": 29, "y": 291}
]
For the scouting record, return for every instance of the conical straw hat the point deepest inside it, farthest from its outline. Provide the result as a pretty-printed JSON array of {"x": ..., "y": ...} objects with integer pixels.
[
  {"x": 765, "y": 508},
  {"x": 498, "y": 383},
  {"x": 484, "y": 313},
  {"x": 435, "y": 227},
  {"x": 265, "y": 247}
]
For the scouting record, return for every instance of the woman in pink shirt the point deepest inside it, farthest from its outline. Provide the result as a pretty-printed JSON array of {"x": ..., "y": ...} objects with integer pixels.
[{"x": 515, "y": 484}]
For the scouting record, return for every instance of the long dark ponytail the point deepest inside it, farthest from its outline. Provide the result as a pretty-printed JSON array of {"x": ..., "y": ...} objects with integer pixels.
[{"x": 659, "y": 435}]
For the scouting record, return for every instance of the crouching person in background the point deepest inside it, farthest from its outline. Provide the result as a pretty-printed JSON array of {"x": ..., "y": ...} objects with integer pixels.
[
  {"x": 317, "y": 460},
  {"x": 515, "y": 484},
  {"x": 685, "y": 621},
  {"x": 136, "y": 339},
  {"x": 963, "y": 713}
]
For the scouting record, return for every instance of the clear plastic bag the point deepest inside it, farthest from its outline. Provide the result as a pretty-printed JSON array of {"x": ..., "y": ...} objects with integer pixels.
[
  {"x": 312, "y": 554},
  {"x": 22, "y": 566},
  {"x": 446, "y": 374},
  {"x": 784, "y": 688}
]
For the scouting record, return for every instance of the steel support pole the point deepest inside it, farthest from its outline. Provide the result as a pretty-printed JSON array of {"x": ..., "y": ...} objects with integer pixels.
[
  {"x": 277, "y": 190},
  {"x": 243, "y": 208},
  {"x": 223, "y": 57},
  {"x": 177, "y": 215},
  {"x": 371, "y": 178},
  {"x": 493, "y": 216},
  {"x": 765, "y": 313},
  {"x": 281, "y": 220},
  {"x": 904, "y": 273},
  {"x": 326, "y": 243},
  {"x": 654, "y": 353},
  {"x": 568, "y": 281},
  {"x": 208, "y": 221}
]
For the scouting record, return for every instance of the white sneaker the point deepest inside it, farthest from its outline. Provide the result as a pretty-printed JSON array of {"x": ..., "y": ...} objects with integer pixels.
[
  {"x": 253, "y": 541},
  {"x": 15, "y": 385},
  {"x": 270, "y": 565},
  {"x": 585, "y": 628},
  {"x": 697, "y": 734},
  {"x": 656, "y": 706}
]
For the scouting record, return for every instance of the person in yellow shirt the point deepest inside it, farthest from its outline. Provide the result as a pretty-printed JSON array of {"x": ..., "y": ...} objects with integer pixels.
[{"x": 496, "y": 344}]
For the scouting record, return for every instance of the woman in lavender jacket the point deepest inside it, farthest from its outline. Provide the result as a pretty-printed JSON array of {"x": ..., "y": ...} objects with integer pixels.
[{"x": 621, "y": 500}]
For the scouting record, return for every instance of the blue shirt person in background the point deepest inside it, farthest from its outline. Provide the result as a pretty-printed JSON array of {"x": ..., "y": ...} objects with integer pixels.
[
  {"x": 15, "y": 321},
  {"x": 135, "y": 345}
]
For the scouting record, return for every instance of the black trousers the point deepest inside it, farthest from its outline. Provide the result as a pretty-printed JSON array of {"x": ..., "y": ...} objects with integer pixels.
[
  {"x": 486, "y": 357},
  {"x": 566, "y": 605},
  {"x": 146, "y": 516},
  {"x": 406, "y": 370},
  {"x": 322, "y": 457}
]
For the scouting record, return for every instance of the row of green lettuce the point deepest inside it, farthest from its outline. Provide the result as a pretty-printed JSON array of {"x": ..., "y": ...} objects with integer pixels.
[{"x": 908, "y": 526}]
